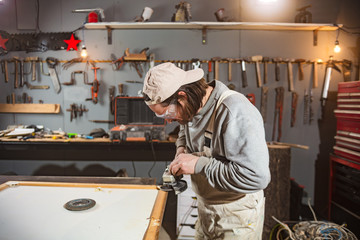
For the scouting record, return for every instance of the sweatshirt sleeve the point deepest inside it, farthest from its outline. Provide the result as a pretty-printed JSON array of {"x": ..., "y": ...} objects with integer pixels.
[
  {"x": 181, "y": 141},
  {"x": 245, "y": 166}
]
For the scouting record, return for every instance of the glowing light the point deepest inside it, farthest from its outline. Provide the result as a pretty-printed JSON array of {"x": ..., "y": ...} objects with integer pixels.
[
  {"x": 83, "y": 52},
  {"x": 337, "y": 48}
]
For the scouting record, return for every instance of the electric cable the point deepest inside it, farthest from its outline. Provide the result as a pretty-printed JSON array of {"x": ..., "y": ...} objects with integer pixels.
[
  {"x": 133, "y": 165},
  {"x": 316, "y": 230},
  {"x": 154, "y": 157},
  {"x": 186, "y": 215}
]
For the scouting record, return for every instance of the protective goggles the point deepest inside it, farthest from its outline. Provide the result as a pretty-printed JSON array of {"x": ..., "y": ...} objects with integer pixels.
[{"x": 170, "y": 112}]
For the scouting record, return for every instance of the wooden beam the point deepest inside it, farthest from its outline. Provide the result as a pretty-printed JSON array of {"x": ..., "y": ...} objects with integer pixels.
[{"x": 29, "y": 108}]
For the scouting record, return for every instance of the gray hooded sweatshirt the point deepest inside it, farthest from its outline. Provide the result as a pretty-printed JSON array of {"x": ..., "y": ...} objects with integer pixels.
[{"x": 239, "y": 160}]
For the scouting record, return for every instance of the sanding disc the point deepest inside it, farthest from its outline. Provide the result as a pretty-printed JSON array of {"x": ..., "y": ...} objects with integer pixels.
[{"x": 79, "y": 204}]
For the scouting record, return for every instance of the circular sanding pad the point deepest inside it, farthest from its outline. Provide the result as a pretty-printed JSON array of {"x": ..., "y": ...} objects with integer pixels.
[{"x": 79, "y": 204}]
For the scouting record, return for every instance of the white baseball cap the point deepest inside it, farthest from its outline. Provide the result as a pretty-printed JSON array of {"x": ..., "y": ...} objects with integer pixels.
[{"x": 165, "y": 79}]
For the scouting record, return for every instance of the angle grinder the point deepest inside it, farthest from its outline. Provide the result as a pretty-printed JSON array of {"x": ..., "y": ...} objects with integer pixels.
[{"x": 172, "y": 183}]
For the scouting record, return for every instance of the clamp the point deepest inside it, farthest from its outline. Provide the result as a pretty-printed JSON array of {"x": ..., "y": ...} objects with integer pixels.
[
  {"x": 72, "y": 81},
  {"x": 95, "y": 87}
]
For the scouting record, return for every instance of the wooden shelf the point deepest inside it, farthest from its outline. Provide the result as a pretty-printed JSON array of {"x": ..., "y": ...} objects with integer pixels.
[
  {"x": 29, "y": 108},
  {"x": 215, "y": 26}
]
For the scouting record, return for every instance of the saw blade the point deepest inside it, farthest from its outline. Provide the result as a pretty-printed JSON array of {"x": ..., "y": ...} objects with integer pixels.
[{"x": 55, "y": 80}]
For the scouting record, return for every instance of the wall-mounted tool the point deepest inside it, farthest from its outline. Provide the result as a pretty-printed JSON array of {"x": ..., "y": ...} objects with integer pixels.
[
  {"x": 16, "y": 62},
  {"x": 209, "y": 71},
  {"x": 315, "y": 73},
  {"x": 20, "y": 70},
  {"x": 346, "y": 68},
  {"x": 251, "y": 98},
  {"x": 98, "y": 11},
  {"x": 290, "y": 74},
  {"x": 243, "y": 73},
  {"x": 306, "y": 107},
  {"x": 134, "y": 81},
  {"x": 31, "y": 87},
  {"x": 135, "y": 56},
  {"x": 330, "y": 65},
  {"x": 39, "y": 42},
  {"x": 300, "y": 63},
  {"x": 229, "y": 69},
  {"x": 182, "y": 13},
  {"x": 42, "y": 68},
  {"x": 52, "y": 62},
  {"x": 172, "y": 183},
  {"x": 4, "y": 69},
  {"x": 33, "y": 61},
  {"x": 117, "y": 62},
  {"x": 266, "y": 61},
  {"x": 75, "y": 109},
  {"x": 277, "y": 61},
  {"x": 216, "y": 67},
  {"x": 112, "y": 99},
  {"x": 311, "y": 111},
  {"x": 195, "y": 63},
  {"x": 257, "y": 59},
  {"x": 278, "y": 112},
  {"x": 95, "y": 87},
  {"x": 121, "y": 90},
  {"x": 263, "y": 106},
  {"x": 294, "y": 100},
  {"x": 73, "y": 74}
]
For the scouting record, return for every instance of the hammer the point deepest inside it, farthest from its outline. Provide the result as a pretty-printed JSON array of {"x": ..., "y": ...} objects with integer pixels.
[
  {"x": 300, "y": 62},
  {"x": 277, "y": 68},
  {"x": 229, "y": 68},
  {"x": 256, "y": 59},
  {"x": 243, "y": 73},
  {"x": 315, "y": 72},
  {"x": 216, "y": 68},
  {"x": 290, "y": 75}
]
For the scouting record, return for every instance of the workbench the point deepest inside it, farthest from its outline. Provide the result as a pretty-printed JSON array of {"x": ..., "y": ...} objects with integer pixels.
[
  {"x": 35, "y": 209},
  {"x": 277, "y": 193},
  {"x": 98, "y": 149}
]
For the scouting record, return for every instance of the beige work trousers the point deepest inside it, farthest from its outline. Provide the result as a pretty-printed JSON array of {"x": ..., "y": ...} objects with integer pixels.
[{"x": 241, "y": 219}]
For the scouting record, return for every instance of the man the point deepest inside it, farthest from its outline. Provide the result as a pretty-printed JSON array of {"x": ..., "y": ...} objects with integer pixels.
[{"x": 221, "y": 144}]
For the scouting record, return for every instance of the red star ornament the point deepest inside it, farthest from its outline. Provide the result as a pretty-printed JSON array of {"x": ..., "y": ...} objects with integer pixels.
[
  {"x": 72, "y": 43},
  {"x": 2, "y": 42}
]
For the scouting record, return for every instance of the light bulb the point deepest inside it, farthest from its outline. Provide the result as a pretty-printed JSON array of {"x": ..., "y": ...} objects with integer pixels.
[
  {"x": 83, "y": 52},
  {"x": 337, "y": 48}
]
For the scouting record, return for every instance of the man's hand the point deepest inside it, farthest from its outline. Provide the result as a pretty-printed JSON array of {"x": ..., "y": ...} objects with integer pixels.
[
  {"x": 179, "y": 150},
  {"x": 183, "y": 164}
]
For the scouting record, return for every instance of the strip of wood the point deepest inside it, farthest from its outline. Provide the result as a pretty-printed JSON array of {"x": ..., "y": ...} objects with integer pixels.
[
  {"x": 29, "y": 108},
  {"x": 84, "y": 185},
  {"x": 157, "y": 214}
]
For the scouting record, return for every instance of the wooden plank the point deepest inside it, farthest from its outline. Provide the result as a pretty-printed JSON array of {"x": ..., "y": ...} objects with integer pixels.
[
  {"x": 81, "y": 179},
  {"x": 157, "y": 214},
  {"x": 81, "y": 185},
  {"x": 29, "y": 108},
  {"x": 216, "y": 25}
]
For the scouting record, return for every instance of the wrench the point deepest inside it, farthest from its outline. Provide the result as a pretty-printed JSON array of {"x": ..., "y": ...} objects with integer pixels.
[{"x": 52, "y": 62}]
